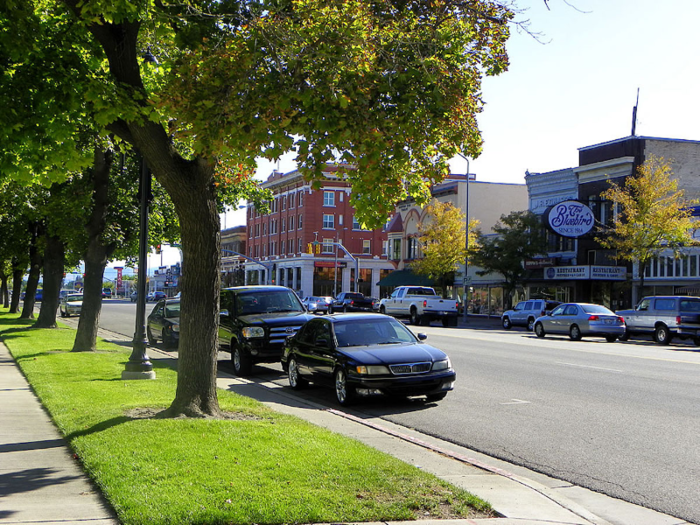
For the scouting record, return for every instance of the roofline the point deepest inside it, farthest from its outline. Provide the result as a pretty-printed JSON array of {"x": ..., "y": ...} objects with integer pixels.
[{"x": 637, "y": 137}]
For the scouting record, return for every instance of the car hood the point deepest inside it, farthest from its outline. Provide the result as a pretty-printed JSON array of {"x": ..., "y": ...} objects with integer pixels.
[
  {"x": 625, "y": 312},
  {"x": 276, "y": 318},
  {"x": 392, "y": 354}
]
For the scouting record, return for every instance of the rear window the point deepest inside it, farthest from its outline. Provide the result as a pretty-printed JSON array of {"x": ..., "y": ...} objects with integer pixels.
[{"x": 690, "y": 305}]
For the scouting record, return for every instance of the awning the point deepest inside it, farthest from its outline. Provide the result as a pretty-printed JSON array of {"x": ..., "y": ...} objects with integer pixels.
[
  {"x": 406, "y": 278},
  {"x": 693, "y": 289}
]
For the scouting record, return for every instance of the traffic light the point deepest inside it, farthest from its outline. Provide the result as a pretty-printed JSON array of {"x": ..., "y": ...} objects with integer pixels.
[
  {"x": 158, "y": 249},
  {"x": 318, "y": 248},
  {"x": 310, "y": 248}
]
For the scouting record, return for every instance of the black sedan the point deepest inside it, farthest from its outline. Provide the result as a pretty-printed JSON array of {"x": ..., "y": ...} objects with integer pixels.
[
  {"x": 164, "y": 323},
  {"x": 366, "y": 355}
]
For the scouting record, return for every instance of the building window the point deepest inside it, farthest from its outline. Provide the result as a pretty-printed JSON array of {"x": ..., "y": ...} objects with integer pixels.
[
  {"x": 264, "y": 229},
  {"x": 299, "y": 221},
  {"x": 329, "y": 198},
  {"x": 366, "y": 245},
  {"x": 385, "y": 247},
  {"x": 396, "y": 250},
  {"x": 413, "y": 248},
  {"x": 301, "y": 198},
  {"x": 291, "y": 199},
  {"x": 299, "y": 245},
  {"x": 290, "y": 243},
  {"x": 283, "y": 223},
  {"x": 327, "y": 246},
  {"x": 284, "y": 202},
  {"x": 328, "y": 222},
  {"x": 291, "y": 223}
]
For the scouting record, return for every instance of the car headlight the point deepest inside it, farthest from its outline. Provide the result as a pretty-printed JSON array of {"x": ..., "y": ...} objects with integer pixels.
[
  {"x": 442, "y": 365},
  {"x": 175, "y": 328},
  {"x": 250, "y": 332},
  {"x": 372, "y": 370}
]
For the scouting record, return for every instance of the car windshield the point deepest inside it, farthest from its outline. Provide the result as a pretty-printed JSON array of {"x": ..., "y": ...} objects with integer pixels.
[
  {"x": 595, "y": 309},
  {"x": 172, "y": 309},
  {"x": 369, "y": 332},
  {"x": 268, "y": 302},
  {"x": 74, "y": 297}
]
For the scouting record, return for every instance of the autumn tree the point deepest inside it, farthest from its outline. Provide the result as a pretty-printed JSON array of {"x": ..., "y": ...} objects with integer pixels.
[
  {"x": 392, "y": 88},
  {"x": 517, "y": 236},
  {"x": 653, "y": 216},
  {"x": 443, "y": 242}
]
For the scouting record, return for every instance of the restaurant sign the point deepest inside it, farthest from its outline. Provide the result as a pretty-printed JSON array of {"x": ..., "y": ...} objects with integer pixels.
[
  {"x": 584, "y": 272},
  {"x": 570, "y": 219}
]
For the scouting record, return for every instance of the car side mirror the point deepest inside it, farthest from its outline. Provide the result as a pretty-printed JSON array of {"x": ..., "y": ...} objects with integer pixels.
[{"x": 422, "y": 337}]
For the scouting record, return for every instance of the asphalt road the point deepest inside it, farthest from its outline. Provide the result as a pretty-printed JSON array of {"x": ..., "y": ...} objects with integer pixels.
[{"x": 622, "y": 419}]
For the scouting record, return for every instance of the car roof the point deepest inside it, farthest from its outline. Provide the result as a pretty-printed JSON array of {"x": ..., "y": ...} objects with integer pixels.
[
  {"x": 355, "y": 315},
  {"x": 255, "y": 288}
]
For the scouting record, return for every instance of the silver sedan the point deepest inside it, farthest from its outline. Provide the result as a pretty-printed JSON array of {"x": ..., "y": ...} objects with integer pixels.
[{"x": 581, "y": 319}]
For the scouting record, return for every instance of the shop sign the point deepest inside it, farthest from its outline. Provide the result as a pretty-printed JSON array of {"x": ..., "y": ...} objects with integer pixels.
[
  {"x": 570, "y": 219},
  {"x": 595, "y": 273},
  {"x": 544, "y": 262},
  {"x": 609, "y": 273},
  {"x": 329, "y": 264},
  {"x": 567, "y": 272}
]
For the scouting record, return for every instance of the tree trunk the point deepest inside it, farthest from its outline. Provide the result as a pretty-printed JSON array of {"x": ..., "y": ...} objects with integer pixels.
[
  {"x": 17, "y": 274},
  {"x": 54, "y": 259},
  {"x": 200, "y": 283},
  {"x": 35, "y": 264},
  {"x": 96, "y": 256},
  {"x": 4, "y": 294}
]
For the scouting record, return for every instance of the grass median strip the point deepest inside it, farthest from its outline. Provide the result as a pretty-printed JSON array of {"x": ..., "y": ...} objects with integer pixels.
[{"x": 256, "y": 466}]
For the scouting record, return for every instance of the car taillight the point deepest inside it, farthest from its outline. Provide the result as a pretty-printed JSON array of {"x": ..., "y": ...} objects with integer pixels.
[
  {"x": 678, "y": 320},
  {"x": 457, "y": 305},
  {"x": 593, "y": 318},
  {"x": 352, "y": 302},
  {"x": 621, "y": 319},
  {"x": 425, "y": 303}
]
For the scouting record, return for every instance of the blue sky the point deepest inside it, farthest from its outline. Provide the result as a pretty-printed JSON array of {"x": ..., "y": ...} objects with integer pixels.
[{"x": 579, "y": 86}]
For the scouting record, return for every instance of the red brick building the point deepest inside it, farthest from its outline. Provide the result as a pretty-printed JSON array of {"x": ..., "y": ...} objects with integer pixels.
[{"x": 321, "y": 221}]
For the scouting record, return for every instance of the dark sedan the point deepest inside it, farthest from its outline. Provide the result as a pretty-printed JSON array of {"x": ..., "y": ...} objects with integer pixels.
[
  {"x": 163, "y": 323},
  {"x": 366, "y": 355}
]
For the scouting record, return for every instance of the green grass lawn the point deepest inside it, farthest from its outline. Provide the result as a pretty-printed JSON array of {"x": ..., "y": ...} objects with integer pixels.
[{"x": 258, "y": 466}]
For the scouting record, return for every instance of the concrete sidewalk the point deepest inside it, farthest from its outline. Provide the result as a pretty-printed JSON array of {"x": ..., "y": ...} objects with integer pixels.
[{"x": 40, "y": 482}]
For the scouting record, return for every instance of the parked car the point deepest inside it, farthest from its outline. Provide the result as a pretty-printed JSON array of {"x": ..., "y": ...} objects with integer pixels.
[
  {"x": 420, "y": 304},
  {"x": 134, "y": 296},
  {"x": 525, "y": 313},
  {"x": 106, "y": 293},
  {"x": 315, "y": 304},
  {"x": 70, "y": 304},
  {"x": 663, "y": 318},
  {"x": 366, "y": 355},
  {"x": 581, "y": 319},
  {"x": 156, "y": 296},
  {"x": 351, "y": 302},
  {"x": 163, "y": 323},
  {"x": 255, "y": 321}
]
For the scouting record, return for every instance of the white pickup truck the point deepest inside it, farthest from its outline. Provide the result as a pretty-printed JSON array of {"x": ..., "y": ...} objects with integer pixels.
[{"x": 421, "y": 304}]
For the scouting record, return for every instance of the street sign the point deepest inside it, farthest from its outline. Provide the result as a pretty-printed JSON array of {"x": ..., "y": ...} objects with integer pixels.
[{"x": 467, "y": 280}]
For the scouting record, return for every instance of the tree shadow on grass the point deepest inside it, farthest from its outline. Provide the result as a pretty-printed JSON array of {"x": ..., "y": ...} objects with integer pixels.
[{"x": 100, "y": 427}]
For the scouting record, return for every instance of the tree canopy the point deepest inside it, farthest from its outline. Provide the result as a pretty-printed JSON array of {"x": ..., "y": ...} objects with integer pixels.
[{"x": 390, "y": 87}]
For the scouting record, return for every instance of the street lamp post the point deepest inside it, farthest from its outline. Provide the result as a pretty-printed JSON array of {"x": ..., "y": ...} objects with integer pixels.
[
  {"x": 466, "y": 258},
  {"x": 139, "y": 365}
]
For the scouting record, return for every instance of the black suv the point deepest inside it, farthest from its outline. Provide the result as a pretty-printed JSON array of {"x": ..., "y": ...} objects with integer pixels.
[{"x": 255, "y": 322}]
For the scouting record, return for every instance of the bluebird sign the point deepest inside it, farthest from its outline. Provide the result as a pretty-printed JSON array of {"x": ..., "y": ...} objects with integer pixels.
[{"x": 570, "y": 219}]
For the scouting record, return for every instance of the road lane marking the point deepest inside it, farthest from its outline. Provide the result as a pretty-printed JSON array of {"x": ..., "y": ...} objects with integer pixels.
[
  {"x": 516, "y": 402},
  {"x": 591, "y": 367}
]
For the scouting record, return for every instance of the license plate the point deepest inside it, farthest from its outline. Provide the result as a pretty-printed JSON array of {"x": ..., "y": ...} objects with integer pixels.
[{"x": 609, "y": 321}]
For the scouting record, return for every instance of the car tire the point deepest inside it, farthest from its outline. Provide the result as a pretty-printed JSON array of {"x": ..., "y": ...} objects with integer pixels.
[
  {"x": 295, "y": 380},
  {"x": 415, "y": 318},
  {"x": 168, "y": 342},
  {"x": 242, "y": 365},
  {"x": 330, "y": 310},
  {"x": 63, "y": 314},
  {"x": 343, "y": 393},
  {"x": 575, "y": 333},
  {"x": 662, "y": 335},
  {"x": 611, "y": 338},
  {"x": 432, "y": 398},
  {"x": 506, "y": 324},
  {"x": 345, "y": 309},
  {"x": 530, "y": 324},
  {"x": 445, "y": 322},
  {"x": 539, "y": 330},
  {"x": 382, "y": 310},
  {"x": 149, "y": 336},
  {"x": 625, "y": 336}
]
